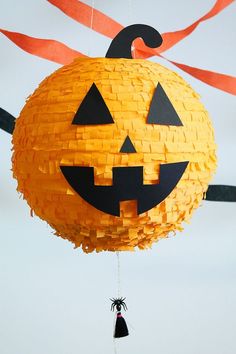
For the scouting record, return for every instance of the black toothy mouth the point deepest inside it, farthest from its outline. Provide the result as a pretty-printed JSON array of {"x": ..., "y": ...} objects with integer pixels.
[{"x": 127, "y": 185}]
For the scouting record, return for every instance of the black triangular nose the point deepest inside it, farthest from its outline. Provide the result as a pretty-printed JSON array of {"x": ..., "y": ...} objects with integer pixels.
[{"x": 127, "y": 146}]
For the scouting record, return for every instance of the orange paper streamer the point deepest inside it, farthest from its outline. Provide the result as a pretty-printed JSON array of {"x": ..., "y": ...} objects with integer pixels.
[
  {"x": 82, "y": 13},
  {"x": 62, "y": 54},
  {"x": 43, "y": 48},
  {"x": 107, "y": 26},
  {"x": 223, "y": 82},
  {"x": 172, "y": 38}
]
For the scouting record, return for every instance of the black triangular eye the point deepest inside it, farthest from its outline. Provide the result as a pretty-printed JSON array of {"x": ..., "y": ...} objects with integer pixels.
[
  {"x": 93, "y": 109},
  {"x": 161, "y": 110}
]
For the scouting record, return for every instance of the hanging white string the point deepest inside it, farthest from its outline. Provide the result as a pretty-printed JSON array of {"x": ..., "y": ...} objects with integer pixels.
[
  {"x": 115, "y": 344},
  {"x": 118, "y": 294},
  {"x": 91, "y": 26},
  {"x": 131, "y": 23},
  {"x": 118, "y": 274}
]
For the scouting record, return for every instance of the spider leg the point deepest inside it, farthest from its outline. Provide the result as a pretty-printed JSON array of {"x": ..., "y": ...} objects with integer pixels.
[
  {"x": 123, "y": 304},
  {"x": 112, "y": 307},
  {"x": 113, "y": 303}
]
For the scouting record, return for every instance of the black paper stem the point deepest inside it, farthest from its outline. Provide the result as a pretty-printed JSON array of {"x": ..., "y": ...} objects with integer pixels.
[{"x": 121, "y": 46}]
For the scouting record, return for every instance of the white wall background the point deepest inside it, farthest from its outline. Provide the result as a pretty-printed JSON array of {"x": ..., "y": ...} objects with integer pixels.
[{"x": 181, "y": 294}]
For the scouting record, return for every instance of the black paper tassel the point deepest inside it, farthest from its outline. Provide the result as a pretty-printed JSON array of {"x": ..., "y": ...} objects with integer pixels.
[{"x": 121, "y": 329}]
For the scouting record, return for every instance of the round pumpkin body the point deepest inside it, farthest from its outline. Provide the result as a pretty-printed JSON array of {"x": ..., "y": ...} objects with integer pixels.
[{"x": 45, "y": 140}]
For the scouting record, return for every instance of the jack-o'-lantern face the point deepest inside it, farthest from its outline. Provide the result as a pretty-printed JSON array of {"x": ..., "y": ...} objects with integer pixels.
[
  {"x": 113, "y": 153},
  {"x": 127, "y": 182}
]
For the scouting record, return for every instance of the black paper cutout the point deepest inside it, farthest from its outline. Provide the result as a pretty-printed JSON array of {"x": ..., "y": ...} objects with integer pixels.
[
  {"x": 128, "y": 146},
  {"x": 221, "y": 193},
  {"x": 120, "y": 46},
  {"x": 7, "y": 121},
  {"x": 93, "y": 109},
  {"x": 121, "y": 329},
  {"x": 161, "y": 110},
  {"x": 127, "y": 185}
]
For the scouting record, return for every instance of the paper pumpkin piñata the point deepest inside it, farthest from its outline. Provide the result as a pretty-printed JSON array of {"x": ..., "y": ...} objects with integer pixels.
[{"x": 114, "y": 152}]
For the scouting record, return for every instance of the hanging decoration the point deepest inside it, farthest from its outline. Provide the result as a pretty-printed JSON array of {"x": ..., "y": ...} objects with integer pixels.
[
  {"x": 121, "y": 329},
  {"x": 114, "y": 153}
]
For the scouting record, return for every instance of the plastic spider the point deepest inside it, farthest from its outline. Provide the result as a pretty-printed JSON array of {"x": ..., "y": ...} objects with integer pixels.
[{"x": 118, "y": 303}]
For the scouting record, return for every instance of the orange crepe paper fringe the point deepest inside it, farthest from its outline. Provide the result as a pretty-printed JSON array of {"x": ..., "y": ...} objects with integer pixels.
[{"x": 44, "y": 139}]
